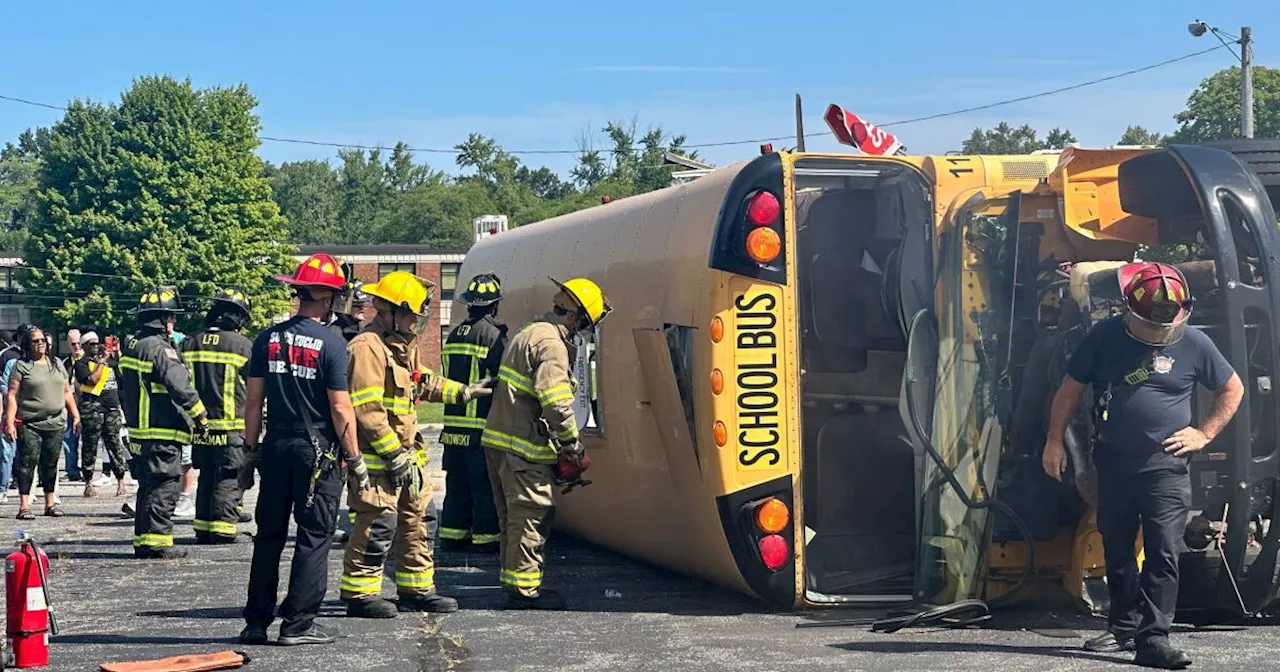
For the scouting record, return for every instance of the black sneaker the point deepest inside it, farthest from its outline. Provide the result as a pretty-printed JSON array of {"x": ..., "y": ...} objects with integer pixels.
[
  {"x": 547, "y": 600},
  {"x": 253, "y": 634},
  {"x": 376, "y": 607},
  {"x": 1110, "y": 642},
  {"x": 126, "y": 510},
  {"x": 159, "y": 553},
  {"x": 434, "y": 603},
  {"x": 1162, "y": 656},
  {"x": 312, "y": 635}
]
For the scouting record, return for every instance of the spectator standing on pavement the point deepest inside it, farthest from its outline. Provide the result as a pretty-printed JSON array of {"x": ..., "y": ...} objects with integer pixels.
[
  {"x": 299, "y": 368},
  {"x": 186, "y": 507},
  {"x": 40, "y": 396},
  {"x": 1143, "y": 367},
  {"x": 100, "y": 414},
  {"x": 70, "y": 440}
]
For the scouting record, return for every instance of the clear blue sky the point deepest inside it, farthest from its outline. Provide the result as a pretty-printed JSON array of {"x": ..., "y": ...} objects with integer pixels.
[{"x": 539, "y": 74}]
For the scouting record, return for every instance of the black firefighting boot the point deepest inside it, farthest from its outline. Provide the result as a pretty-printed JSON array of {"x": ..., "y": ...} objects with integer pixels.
[
  {"x": 434, "y": 603},
  {"x": 546, "y": 600},
  {"x": 151, "y": 553},
  {"x": 375, "y": 607}
]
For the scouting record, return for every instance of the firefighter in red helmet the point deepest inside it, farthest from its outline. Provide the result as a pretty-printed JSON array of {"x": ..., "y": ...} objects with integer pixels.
[
  {"x": 1143, "y": 366},
  {"x": 299, "y": 367}
]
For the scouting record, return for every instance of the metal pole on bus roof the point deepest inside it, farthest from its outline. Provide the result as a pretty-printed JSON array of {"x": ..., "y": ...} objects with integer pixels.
[{"x": 799, "y": 125}]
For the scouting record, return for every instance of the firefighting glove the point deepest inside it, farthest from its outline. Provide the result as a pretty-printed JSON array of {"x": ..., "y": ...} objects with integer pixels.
[
  {"x": 401, "y": 469},
  {"x": 201, "y": 433},
  {"x": 357, "y": 475},
  {"x": 569, "y": 468},
  {"x": 480, "y": 389}
]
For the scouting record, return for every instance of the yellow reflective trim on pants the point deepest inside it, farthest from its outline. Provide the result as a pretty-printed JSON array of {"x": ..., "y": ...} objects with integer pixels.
[
  {"x": 421, "y": 581},
  {"x": 365, "y": 395},
  {"x": 486, "y": 538},
  {"x": 387, "y": 443},
  {"x": 454, "y": 533},
  {"x": 522, "y": 447},
  {"x": 153, "y": 540},
  {"x": 517, "y": 380},
  {"x": 555, "y": 393},
  {"x": 520, "y": 579},
  {"x": 462, "y": 422},
  {"x": 367, "y": 585},
  {"x": 214, "y": 526}
]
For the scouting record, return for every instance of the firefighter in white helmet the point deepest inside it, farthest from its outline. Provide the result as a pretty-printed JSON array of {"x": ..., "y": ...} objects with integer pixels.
[
  {"x": 531, "y": 437},
  {"x": 386, "y": 379}
]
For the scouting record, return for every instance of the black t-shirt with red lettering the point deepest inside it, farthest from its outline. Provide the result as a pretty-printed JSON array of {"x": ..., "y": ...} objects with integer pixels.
[{"x": 302, "y": 350}]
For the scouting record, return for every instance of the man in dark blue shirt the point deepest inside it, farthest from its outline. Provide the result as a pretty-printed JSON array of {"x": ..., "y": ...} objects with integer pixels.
[
  {"x": 299, "y": 367},
  {"x": 1143, "y": 367}
]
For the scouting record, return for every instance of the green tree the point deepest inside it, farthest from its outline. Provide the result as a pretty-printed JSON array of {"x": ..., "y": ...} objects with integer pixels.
[
  {"x": 367, "y": 196},
  {"x": 1137, "y": 135},
  {"x": 440, "y": 215},
  {"x": 1005, "y": 139},
  {"x": 309, "y": 194},
  {"x": 19, "y": 165},
  {"x": 162, "y": 188},
  {"x": 1213, "y": 110}
]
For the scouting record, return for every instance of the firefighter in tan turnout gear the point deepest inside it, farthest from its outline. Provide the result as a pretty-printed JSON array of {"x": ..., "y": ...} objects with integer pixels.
[
  {"x": 531, "y": 437},
  {"x": 386, "y": 379}
]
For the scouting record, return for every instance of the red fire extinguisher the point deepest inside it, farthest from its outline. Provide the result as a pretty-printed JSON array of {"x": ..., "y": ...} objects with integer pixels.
[{"x": 29, "y": 618}]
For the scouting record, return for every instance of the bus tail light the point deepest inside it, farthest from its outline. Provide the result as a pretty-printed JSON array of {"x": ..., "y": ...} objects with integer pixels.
[
  {"x": 774, "y": 551},
  {"x": 721, "y": 434},
  {"x": 763, "y": 245},
  {"x": 763, "y": 209},
  {"x": 717, "y": 329},
  {"x": 772, "y": 515}
]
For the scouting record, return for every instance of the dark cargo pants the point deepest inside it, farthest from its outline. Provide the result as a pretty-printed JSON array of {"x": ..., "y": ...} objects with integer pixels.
[
  {"x": 100, "y": 424},
  {"x": 469, "y": 511},
  {"x": 285, "y": 469},
  {"x": 1143, "y": 603}
]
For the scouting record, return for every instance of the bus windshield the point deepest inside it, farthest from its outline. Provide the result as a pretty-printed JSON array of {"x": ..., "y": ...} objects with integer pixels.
[{"x": 974, "y": 276}]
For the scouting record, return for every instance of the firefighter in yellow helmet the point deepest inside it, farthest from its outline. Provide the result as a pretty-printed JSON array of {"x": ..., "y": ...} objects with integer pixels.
[
  {"x": 531, "y": 437},
  {"x": 386, "y": 380}
]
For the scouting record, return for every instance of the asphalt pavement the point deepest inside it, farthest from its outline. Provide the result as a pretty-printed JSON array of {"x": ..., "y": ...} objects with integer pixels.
[{"x": 624, "y": 615}]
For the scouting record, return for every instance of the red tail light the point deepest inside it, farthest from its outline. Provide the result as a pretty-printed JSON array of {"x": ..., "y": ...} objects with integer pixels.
[
  {"x": 774, "y": 551},
  {"x": 763, "y": 209}
]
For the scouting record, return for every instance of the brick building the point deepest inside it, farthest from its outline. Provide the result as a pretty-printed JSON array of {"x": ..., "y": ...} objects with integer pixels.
[{"x": 371, "y": 262}]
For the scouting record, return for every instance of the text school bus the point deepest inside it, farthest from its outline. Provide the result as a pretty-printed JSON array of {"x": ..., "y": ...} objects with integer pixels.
[{"x": 825, "y": 377}]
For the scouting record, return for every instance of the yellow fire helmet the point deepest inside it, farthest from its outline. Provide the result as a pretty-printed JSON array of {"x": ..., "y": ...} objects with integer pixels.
[
  {"x": 403, "y": 289},
  {"x": 588, "y": 296}
]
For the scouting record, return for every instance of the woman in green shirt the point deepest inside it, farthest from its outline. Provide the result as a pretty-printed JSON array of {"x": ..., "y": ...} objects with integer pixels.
[{"x": 40, "y": 397}]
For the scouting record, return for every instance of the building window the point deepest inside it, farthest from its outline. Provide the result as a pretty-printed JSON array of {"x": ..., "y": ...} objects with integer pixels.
[
  {"x": 384, "y": 269},
  {"x": 448, "y": 280}
]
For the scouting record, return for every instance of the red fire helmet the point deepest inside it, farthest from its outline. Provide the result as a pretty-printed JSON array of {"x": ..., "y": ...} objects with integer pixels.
[
  {"x": 318, "y": 270},
  {"x": 1159, "y": 302}
]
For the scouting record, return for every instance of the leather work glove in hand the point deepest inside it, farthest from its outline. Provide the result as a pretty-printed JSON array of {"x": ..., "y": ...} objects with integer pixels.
[
  {"x": 401, "y": 469},
  {"x": 481, "y": 388},
  {"x": 357, "y": 475},
  {"x": 244, "y": 478},
  {"x": 201, "y": 434}
]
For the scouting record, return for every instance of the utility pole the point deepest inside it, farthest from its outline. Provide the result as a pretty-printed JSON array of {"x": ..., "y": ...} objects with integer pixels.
[{"x": 1246, "y": 82}]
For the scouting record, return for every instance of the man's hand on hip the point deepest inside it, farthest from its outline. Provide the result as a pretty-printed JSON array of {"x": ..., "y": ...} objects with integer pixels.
[{"x": 1185, "y": 441}]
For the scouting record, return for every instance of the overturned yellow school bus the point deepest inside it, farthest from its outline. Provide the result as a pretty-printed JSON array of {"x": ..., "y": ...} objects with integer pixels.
[{"x": 823, "y": 370}]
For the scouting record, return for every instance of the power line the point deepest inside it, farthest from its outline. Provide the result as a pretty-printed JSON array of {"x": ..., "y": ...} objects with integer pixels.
[{"x": 727, "y": 143}]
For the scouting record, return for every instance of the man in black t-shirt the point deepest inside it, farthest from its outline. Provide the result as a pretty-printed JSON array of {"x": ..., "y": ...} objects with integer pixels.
[
  {"x": 96, "y": 382},
  {"x": 1143, "y": 368},
  {"x": 299, "y": 368}
]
